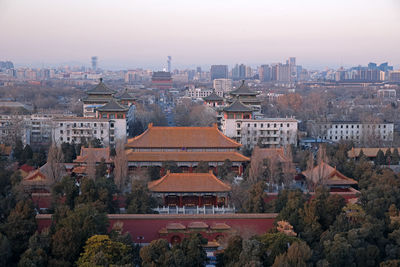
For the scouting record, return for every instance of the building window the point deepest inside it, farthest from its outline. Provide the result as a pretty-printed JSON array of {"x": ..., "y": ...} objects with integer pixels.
[
  {"x": 120, "y": 116},
  {"x": 104, "y": 116},
  {"x": 262, "y": 125},
  {"x": 61, "y": 124},
  {"x": 61, "y": 131},
  {"x": 95, "y": 132},
  {"x": 112, "y": 125},
  {"x": 112, "y": 116},
  {"x": 95, "y": 124},
  {"x": 288, "y": 125}
]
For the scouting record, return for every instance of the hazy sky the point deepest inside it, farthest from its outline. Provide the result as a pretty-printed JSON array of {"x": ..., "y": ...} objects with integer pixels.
[{"x": 129, "y": 33}]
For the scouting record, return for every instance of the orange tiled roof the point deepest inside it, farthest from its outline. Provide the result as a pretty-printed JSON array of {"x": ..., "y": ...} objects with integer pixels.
[
  {"x": 79, "y": 169},
  {"x": 182, "y": 137},
  {"x": 175, "y": 226},
  {"x": 97, "y": 153},
  {"x": 35, "y": 178},
  {"x": 220, "y": 226},
  {"x": 5, "y": 150},
  {"x": 189, "y": 182},
  {"x": 26, "y": 168},
  {"x": 369, "y": 152},
  {"x": 277, "y": 153},
  {"x": 330, "y": 175},
  {"x": 185, "y": 156},
  {"x": 195, "y": 225}
]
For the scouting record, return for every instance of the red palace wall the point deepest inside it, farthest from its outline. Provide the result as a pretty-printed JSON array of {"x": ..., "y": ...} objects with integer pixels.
[{"x": 144, "y": 228}]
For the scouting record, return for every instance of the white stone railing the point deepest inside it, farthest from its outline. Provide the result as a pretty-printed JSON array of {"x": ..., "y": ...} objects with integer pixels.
[{"x": 194, "y": 210}]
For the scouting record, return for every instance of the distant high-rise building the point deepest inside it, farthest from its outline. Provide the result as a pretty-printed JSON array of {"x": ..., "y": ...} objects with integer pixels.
[
  {"x": 198, "y": 69},
  {"x": 249, "y": 72},
  {"x": 94, "y": 63},
  {"x": 264, "y": 73},
  {"x": 242, "y": 71},
  {"x": 222, "y": 85},
  {"x": 169, "y": 63},
  {"x": 394, "y": 76},
  {"x": 293, "y": 68},
  {"x": 219, "y": 72}
]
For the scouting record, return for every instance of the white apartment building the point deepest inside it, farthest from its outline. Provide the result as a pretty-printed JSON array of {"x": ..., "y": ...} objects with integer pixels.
[
  {"x": 200, "y": 93},
  {"x": 77, "y": 129},
  {"x": 268, "y": 132},
  {"x": 354, "y": 131},
  {"x": 222, "y": 85}
]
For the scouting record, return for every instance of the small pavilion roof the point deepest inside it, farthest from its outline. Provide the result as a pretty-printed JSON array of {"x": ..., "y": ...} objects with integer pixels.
[
  {"x": 238, "y": 106},
  {"x": 243, "y": 90},
  {"x": 189, "y": 182},
  {"x": 96, "y": 154},
  {"x": 100, "y": 89},
  {"x": 126, "y": 96},
  {"x": 113, "y": 106},
  {"x": 213, "y": 97},
  {"x": 329, "y": 175}
]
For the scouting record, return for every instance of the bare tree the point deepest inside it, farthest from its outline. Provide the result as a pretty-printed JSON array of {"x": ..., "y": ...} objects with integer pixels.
[
  {"x": 55, "y": 160},
  {"x": 120, "y": 166},
  {"x": 256, "y": 166}
]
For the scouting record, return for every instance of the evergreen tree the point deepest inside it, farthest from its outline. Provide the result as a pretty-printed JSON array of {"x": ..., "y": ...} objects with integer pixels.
[
  {"x": 256, "y": 198},
  {"x": 380, "y": 158},
  {"x": 153, "y": 172},
  {"x": 388, "y": 157},
  {"x": 395, "y": 157},
  {"x": 19, "y": 227},
  {"x": 361, "y": 155},
  {"x": 140, "y": 201},
  {"x": 297, "y": 255},
  {"x": 72, "y": 231},
  {"x": 17, "y": 152},
  {"x": 101, "y": 169},
  {"x": 26, "y": 154},
  {"x": 202, "y": 167}
]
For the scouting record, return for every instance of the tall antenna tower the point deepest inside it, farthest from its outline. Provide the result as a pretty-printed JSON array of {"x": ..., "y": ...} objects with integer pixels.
[
  {"x": 169, "y": 63},
  {"x": 94, "y": 63}
]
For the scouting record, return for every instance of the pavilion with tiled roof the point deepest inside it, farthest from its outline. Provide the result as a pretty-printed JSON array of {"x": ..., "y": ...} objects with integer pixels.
[
  {"x": 327, "y": 175},
  {"x": 91, "y": 156},
  {"x": 246, "y": 96},
  {"x": 126, "y": 99},
  {"x": 191, "y": 190},
  {"x": 214, "y": 100},
  {"x": 37, "y": 182},
  {"x": 237, "y": 110},
  {"x": 112, "y": 110},
  {"x": 184, "y": 145},
  {"x": 96, "y": 97}
]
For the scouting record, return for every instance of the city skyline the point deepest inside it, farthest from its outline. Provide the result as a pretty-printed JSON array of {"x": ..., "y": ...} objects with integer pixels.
[{"x": 137, "y": 34}]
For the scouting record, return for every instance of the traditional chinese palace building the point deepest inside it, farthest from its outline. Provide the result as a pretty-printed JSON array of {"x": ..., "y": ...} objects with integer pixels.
[
  {"x": 191, "y": 193},
  {"x": 186, "y": 146},
  {"x": 161, "y": 80}
]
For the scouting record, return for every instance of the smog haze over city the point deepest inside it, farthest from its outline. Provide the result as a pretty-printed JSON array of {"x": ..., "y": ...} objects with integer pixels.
[
  {"x": 128, "y": 34},
  {"x": 200, "y": 133}
]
